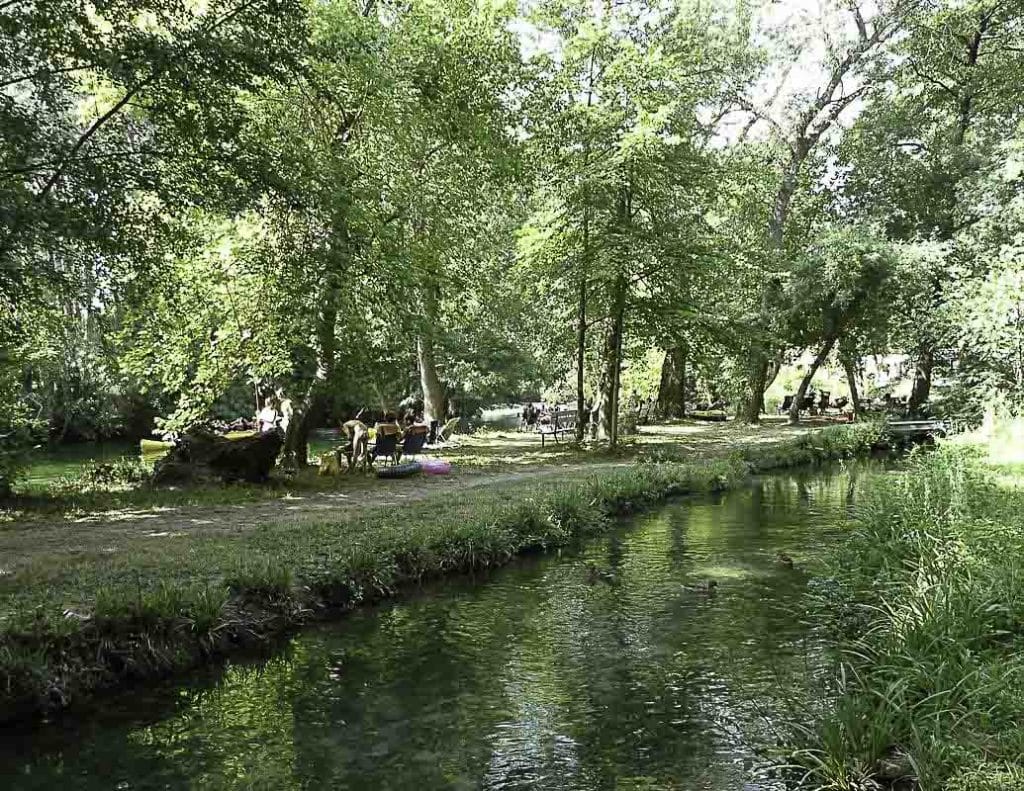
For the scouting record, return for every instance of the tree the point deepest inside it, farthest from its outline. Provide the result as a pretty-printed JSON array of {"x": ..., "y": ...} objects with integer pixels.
[
  {"x": 836, "y": 284},
  {"x": 94, "y": 141},
  {"x": 917, "y": 152},
  {"x": 853, "y": 55}
]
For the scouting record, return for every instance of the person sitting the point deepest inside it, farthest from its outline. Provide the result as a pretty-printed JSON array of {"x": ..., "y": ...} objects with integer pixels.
[
  {"x": 268, "y": 417},
  {"x": 388, "y": 425}
]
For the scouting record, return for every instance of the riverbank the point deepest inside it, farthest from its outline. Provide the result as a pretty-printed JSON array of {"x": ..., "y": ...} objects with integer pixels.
[
  {"x": 152, "y": 607},
  {"x": 927, "y": 597}
]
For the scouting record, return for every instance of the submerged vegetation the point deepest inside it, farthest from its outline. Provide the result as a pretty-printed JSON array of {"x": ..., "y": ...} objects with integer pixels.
[
  {"x": 927, "y": 596},
  {"x": 68, "y": 630}
]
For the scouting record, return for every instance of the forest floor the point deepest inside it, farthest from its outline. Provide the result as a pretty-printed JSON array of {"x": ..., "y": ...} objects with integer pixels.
[{"x": 78, "y": 527}]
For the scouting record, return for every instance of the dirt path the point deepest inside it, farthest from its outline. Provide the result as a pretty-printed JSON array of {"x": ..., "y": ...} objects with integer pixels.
[{"x": 71, "y": 535}]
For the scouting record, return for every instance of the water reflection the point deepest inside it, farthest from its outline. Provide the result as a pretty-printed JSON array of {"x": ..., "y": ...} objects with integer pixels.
[{"x": 541, "y": 676}]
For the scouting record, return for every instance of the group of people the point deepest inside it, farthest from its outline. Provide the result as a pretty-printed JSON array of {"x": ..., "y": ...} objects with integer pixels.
[
  {"x": 532, "y": 415},
  {"x": 357, "y": 432}
]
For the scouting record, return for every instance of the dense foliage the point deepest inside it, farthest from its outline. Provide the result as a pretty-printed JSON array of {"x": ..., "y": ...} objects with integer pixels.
[
  {"x": 356, "y": 202},
  {"x": 926, "y": 598}
]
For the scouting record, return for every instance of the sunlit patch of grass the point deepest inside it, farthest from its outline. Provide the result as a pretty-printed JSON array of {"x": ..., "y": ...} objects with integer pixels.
[{"x": 55, "y": 487}]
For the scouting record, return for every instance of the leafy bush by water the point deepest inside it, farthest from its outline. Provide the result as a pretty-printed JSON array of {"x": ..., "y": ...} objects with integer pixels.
[{"x": 928, "y": 597}]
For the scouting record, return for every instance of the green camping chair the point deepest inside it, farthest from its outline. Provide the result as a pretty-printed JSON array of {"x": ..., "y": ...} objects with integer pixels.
[{"x": 445, "y": 433}]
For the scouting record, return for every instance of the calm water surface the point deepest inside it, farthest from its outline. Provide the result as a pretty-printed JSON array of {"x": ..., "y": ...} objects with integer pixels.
[{"x": 534, "y": 677}]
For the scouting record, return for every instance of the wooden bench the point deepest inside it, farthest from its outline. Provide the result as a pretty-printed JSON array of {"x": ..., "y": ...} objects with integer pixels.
[
  {"x": 562, "y": 422},
  {"x": 917, "y": 428}
]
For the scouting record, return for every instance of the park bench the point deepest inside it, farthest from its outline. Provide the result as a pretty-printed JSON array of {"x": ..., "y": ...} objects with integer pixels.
[
  {"x": 562, "y": 422},
  {"x": 919, "y": 429}
]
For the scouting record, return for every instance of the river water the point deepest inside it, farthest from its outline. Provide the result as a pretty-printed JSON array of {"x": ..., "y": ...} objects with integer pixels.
[{"x": 601, "y": 668}]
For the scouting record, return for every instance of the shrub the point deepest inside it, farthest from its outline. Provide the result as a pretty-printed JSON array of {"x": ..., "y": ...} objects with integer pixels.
[
  {"x": 261, "y": 578},
  {"x": 109, "y": 475}
]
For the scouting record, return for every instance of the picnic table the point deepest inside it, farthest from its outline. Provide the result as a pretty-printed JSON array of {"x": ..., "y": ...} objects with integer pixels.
[{"x": 924, "y": 428}]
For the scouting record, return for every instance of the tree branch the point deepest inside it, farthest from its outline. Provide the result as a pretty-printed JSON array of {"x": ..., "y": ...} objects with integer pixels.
[
  {"x": 933, "y": 80},
  {"x": 41, "y": 72},
  {"x": 87, "y": 135},
  {"x": 862, "y": 29},
  {"x": 760, "y": 115}
]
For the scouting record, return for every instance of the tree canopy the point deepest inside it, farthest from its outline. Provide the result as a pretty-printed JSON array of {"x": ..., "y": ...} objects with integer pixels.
[{"x": 357, "y": 202}]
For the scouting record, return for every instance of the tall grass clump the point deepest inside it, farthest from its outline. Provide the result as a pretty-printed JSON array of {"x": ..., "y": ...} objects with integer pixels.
[
  {"x": 927, "y": 598},
  {"x": 840, "y": 441}
]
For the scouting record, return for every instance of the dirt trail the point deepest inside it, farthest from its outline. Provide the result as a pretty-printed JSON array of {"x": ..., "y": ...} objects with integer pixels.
[{"x": 68, "y": 535}]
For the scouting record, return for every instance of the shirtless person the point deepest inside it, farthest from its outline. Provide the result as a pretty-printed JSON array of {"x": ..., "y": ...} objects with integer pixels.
[{"x": 359, "y": 441}]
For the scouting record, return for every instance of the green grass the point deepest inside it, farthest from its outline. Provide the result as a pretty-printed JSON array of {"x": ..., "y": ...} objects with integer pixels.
[
  {"x": 927, "y": 597},
  {"x": 71, "y": 623},
  {"x": 76, "y": 480}
]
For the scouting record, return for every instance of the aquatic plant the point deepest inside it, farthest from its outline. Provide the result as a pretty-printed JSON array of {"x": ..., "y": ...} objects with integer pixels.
[{"x": 927, "y": 598}]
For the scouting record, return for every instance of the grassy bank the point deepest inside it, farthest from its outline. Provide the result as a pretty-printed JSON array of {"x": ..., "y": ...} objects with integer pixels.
[
  {"x": 928, "y": 598},
  {"x": 150, "y": 608}
]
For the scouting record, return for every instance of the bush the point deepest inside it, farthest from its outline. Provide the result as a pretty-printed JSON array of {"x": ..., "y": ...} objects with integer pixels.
[
  {"x": 108, "y": 475},
  {"x": 927, "y": 599}
]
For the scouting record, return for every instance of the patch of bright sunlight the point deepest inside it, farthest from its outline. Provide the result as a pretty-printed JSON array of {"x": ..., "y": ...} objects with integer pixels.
[
  {"x": 1004, "y": 440},
  {"x": 726, "y": 572}
]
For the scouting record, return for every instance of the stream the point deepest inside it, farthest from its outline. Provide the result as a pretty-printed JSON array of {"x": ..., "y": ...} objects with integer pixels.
[{"x": 607, "y": 667}]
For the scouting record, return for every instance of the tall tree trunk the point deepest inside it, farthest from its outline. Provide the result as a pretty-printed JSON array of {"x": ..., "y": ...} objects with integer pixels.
[
  {"x": 801, "y": 393},
  {"x": 672, "y": 387},
  {"x": 612, "y": 365},
  {"x": 309, "y": 407},
  {"x": 581, "y": 337},
  {"x": 850, "y": 367},
  {"x": 430, "y": 382},
  {"x": 615, "y": 374},
  {"x": 605, "y": 406},
  {"x": 922, "y": 379},
  {"x": 681, "y": 396},
  {"x": 757, "y": 383},
  {"x": 760, "y": 359},
  {"x": 581, "y": 319},
  {"x": 296, "y": 438}
]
